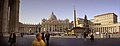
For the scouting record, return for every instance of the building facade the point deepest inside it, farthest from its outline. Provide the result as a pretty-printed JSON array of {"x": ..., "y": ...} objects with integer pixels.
[
  {"x": 113, "y": 28},
  {"x": 105, "y": 23},
  {"x": 52, "y": 24},
  {"x": 29, "y": 28},
  {"x": 109, "y": 18}
]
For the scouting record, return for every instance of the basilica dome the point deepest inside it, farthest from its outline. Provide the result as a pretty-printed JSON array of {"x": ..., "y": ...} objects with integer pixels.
[{"x": 52, "y": 17}]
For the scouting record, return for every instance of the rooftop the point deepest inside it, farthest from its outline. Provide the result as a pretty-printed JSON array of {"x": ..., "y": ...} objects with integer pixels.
[{"x": 105, "y": 14}]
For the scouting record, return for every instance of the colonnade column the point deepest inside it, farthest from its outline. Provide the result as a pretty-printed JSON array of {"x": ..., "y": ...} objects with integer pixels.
[{"x": 14, "y": 15}]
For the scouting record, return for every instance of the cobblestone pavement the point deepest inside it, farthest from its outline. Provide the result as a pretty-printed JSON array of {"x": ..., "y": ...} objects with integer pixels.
[{"x": 59, "y": 41}]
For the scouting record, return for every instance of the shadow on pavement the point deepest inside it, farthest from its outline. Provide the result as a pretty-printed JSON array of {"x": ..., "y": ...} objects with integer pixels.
[{"x": 4, "y": 41}]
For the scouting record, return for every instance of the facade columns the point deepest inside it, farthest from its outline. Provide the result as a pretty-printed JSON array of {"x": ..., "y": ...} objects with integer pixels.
[
  {"x": 51, "y": 27},
  {"x": 5, "y": 17},
  {"x": 1, "y": 16},
  {"x": 99, "y": 29},
  {"x": 45, "y": 27},
  {"x": 102, "y": 29},
  {"x": 48, "y": 28},
  {"x": 59, "y": 27},
  {"x": 117, "y": 28},
  {"x": 14, "y": 15},
  {"x": 112, "y": 29}
]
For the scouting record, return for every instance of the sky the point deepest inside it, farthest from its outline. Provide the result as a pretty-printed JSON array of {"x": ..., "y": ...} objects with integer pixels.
[{"x": 33, "y": 11}]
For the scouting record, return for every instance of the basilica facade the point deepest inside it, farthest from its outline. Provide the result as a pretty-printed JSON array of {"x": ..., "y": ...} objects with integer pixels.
[{"x": 52, "y": 24}]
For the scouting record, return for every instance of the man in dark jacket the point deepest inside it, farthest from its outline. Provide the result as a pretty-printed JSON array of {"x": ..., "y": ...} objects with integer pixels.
[
  {"x": 47, "y": 36},
  {"x": 85, "y": 35},
  {"x": 12, "y": 39},
  {"x": 21, "y": 34},
  {"x": 92, "y": 38},
  {"x": 43, "y": 36}
]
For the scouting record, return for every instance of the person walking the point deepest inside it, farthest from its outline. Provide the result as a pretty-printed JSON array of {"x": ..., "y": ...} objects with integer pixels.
[
  {"x": 38, "y": 41},
  {"x": 92, "y": 37},
  {"x": 47, "y": 36},
  {"x": 76, "y": 35},
  {"x": 43, "y": 36},
  {"x": 85, "y": 36},
  {"x": 12, "y": 39},
  {"x": 109, "y": 35},
  {"x": 81, "y": 35},
  {"x": 21, "y": 34}
]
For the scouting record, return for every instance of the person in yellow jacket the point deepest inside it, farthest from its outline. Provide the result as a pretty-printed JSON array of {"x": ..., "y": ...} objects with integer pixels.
[{"x": 38, "y": 41}]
